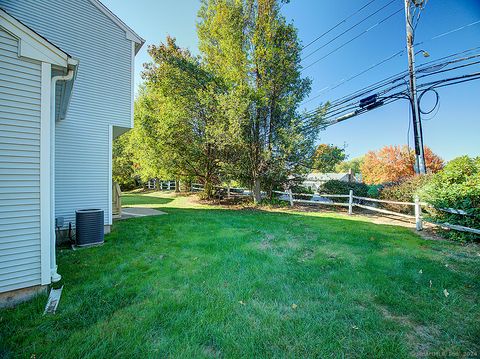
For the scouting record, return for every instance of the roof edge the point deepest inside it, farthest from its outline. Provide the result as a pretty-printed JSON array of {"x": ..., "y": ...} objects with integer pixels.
[
  {"x": 131, "y": 35},
  {"x": 32, "y": 44}
]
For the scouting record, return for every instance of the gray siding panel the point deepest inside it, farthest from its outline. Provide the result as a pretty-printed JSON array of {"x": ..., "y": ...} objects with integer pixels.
[
  {"x": 101, "y": 96},
  {"x": 19, "y": 168}
]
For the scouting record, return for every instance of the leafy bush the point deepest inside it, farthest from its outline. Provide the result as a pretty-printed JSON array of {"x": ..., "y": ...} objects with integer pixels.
[
  {"x": 456, "y": 186},
  {"x": 122, "y": 165},
  {"x": 274, "y": 202},
  {"x": 403, "y": 191},
  {"x": 341, "y": 187},
  {"x": 374, "y": 190},
  {"x": 302, "y": 189}
]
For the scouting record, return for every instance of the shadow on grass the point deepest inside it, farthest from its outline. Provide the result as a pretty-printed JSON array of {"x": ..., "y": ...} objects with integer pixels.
[{"x": 145, "y": 200}]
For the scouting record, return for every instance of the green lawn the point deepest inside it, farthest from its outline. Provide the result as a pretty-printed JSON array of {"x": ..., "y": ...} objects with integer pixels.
[{"x": 210, "y": 282}]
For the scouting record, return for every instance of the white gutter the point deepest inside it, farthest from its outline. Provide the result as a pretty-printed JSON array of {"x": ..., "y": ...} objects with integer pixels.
[{"x": 53, "y": 260}]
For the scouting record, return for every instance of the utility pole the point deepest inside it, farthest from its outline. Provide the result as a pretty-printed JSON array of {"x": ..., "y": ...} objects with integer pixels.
[{"x": 420, "y": 167}]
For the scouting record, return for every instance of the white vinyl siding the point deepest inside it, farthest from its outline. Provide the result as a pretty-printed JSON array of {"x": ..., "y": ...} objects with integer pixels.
[
  {"x": 20, "y": 91},
  {"x": 102, "y": 95}
]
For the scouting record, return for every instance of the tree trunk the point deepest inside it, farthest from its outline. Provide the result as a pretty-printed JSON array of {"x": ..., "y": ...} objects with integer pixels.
[
  {"x": 177, "y": 186},
  {"x": 208, "y": 189},
  {"x": 257, "y": 196}
]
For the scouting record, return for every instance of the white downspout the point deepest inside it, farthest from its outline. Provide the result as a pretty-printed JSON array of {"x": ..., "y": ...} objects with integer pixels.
[{"x": 53, "y": 260}]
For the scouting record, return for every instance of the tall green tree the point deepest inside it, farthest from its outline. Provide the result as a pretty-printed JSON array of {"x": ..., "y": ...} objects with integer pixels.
[
  {"x": 180, "y": 126},
  {"x": 123, "y": 166},
  {"x": 355, "y": 164},
  {"x": 326, "y": 157},
  {"x": 250, "y": 45}
]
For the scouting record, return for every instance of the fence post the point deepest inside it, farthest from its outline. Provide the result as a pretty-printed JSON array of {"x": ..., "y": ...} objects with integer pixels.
[
  {"x": 290, "y": 197},
  {"x": 168, "y": 185},
  {"x": 418, "y": 214},
  {"x": 350, "y": 202},
  {"x": 228, "y": 191}
]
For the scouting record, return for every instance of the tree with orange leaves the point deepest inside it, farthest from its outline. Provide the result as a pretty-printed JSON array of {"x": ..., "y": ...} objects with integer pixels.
[{"x": 395, "y": 163}]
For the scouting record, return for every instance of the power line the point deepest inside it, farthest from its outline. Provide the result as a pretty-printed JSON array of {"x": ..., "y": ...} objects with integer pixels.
[
  {"x": 453, "y": 68},
  {"x": 353, "y": 39},
  {"x": 428, "y": 86},
  {"x": 340, "y": 83},
  {"x": 337, "y": 25},
  {"x": 345, "y": 103},
  {"x": 451, "y": 81},
  {"x": 348, "y": 30},
  {"x": 425, "y": 67},
  {"x": 421, "y": 68},
  {"x": 455, "y": 30},
  {"x": 342, "y": 109},
  {"x": 329, "y": 88}
]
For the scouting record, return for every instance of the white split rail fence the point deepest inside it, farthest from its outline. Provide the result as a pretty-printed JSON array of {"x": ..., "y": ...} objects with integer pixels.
[
  {"x": 231, "y": 191},
  {"x": 351, "y": 203},
  {"x": 161, "y": 185},
  {"x": 357, "y": 201},
  {"x": 417, "y": 205}
]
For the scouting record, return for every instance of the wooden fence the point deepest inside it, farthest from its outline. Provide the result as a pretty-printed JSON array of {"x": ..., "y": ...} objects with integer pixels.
[{"x": 352, "y": 201}]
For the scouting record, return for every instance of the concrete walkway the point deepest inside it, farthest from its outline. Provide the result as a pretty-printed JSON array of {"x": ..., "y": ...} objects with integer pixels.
[{"x": 134, "y": 212}]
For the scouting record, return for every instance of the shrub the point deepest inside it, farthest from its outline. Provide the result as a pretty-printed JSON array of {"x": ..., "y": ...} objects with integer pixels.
[
  {"x": 274, "y": 202},
  {"x": 341, "y": 187},
  {"x": 374, "y": 190},
  {"x": 403, "y": 191},
  {"x": 301, "y": 189},
  {"x": 456, "y": 186}
]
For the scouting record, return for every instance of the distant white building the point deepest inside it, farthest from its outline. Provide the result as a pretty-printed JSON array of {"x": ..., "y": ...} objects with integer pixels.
[{"x": 315, "y": 181}]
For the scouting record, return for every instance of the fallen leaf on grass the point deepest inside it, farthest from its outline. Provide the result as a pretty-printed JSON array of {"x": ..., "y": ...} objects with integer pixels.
[
  {"x": 420, "y": 271},
  {"x": 354, "y": 327},
  {"x": 445, "y": 292},
  {"x": 294, "y": 306},
  {"x": 241, "y": 302},
  {"x": 430, "y": 284}
]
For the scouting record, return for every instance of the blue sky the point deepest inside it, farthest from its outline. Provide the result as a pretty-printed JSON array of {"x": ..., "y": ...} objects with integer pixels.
[{"x": 454, "y": 131}]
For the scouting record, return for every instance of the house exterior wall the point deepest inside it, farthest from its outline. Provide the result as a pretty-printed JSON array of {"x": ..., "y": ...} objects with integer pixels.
[
  {"x": 101, "y": 98},
  {"x": 20, "y": 126}
]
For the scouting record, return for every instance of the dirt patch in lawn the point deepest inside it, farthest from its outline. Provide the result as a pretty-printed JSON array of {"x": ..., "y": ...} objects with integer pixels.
[{"x": 420, "y": 336}]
